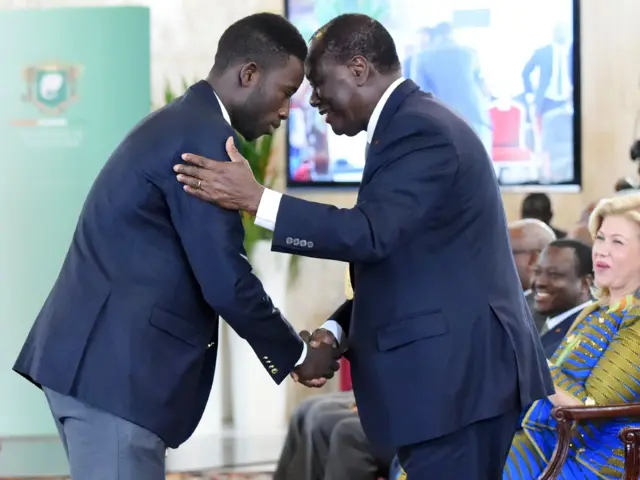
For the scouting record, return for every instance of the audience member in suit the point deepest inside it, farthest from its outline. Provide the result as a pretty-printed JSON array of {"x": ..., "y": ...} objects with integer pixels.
[
  {"x": 125, "y": 345},
  {"x": 351, "y": 455},
  {"x": 554, "y": 64},
  {"x": 528, "y": 238},
  {"x": 538, "y": 206},
  {"x": 428, "y": 221},
  {"x": 306, "y": 446},
  {"x": 562, "y": 282}
]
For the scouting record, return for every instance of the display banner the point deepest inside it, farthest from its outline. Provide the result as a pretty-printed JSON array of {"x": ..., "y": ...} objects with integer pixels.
[{"x": 74, "y": 81}]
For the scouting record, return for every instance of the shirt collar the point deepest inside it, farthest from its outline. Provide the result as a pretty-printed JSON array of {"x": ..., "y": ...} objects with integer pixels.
[
  {"x": 375, "y": 116},
  {"x": 225, "y": 114},
  {"x": 553, "y": 322}
]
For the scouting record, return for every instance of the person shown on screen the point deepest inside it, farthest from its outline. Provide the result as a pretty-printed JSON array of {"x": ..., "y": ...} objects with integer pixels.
[
  {"x": 125, "y": 345},
  {"x": 554, "y": 65},
  {"x": 438, "y": 308},
  {"x": 452, "y": 72}
]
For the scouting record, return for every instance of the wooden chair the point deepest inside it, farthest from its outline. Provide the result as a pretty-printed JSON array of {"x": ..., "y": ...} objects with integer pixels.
[{"x": 568, "y": 416}]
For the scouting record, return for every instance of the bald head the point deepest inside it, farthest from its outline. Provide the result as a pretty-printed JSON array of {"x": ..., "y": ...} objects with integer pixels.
[{"x": 528, "y": 238}]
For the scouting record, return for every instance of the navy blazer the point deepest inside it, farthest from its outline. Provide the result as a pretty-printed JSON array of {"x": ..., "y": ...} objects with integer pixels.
[
  {"x": 543, "y": 60},
  {"x": 439, "y": 332},
  {"x": 131, "y": 324},
  {"x": 551, "y": 339}
]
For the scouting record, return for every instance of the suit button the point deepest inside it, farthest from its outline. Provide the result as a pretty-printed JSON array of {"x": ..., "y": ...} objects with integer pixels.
[
  {"x": 274, "y": 371},
  {"x": 289, "y": 240},
  {"x": 211, "y": 344},
  {"x": 296, "y": 242},
  {"x": 303, "y": 243},
  {"x": 309, "y": 244}
]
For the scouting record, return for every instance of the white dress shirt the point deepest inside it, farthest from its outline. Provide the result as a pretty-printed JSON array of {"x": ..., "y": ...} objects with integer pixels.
[
  {"x": 553, "y": 322},
  {"x": 225, "y": 115},
  {"x": 270, "y": 202}
]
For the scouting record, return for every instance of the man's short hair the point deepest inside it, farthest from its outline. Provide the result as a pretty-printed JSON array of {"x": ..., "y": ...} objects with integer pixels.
[
  {"x": 581, "y": 252},
  {"x": 537, "y": 205},
  {"x": 264, "y": 38},
  {"x": 353, "y": 34}
]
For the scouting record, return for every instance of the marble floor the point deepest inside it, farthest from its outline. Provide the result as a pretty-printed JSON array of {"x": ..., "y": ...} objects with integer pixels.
[{"x": 231, "y": 455}]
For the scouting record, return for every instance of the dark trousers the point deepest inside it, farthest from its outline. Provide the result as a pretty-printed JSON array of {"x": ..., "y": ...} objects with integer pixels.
[{"x": 476, "y": 452}]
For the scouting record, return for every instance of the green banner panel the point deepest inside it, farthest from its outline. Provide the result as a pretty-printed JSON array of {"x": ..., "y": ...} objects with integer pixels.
[{"x": 74, "y": 81}]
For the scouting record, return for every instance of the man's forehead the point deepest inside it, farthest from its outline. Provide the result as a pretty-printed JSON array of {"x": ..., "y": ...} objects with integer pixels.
[{"x": 561, "y": 257}]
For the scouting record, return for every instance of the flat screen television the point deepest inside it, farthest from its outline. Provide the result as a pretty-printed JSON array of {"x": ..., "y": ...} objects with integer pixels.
[{"x": 511, "y": 69}]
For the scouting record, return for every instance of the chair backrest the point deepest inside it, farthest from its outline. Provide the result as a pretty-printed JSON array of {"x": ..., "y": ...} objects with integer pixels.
[{"x": 508, "y": 124}]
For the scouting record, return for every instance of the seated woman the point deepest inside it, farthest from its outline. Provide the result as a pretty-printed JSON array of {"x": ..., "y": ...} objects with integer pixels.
[{"x": 598, "y": 362}]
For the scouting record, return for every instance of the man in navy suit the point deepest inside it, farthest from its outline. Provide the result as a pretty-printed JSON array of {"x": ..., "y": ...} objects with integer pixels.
[
  {"x": 554, "y": 63},
  {"x": 443, "y": 350},
  {"x": 562, "y": 281},
  {"x": 125, "y": 346}
]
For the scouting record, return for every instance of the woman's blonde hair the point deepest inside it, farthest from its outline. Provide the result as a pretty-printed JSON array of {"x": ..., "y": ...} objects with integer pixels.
[{"x": 628, "y": 206}]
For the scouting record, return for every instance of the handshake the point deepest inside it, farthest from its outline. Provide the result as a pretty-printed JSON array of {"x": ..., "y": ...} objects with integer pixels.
[{"x": 321, "y": 361}]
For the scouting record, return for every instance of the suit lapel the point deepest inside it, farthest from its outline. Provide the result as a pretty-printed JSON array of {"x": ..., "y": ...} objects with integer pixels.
[{"x": 390, "y": 108}]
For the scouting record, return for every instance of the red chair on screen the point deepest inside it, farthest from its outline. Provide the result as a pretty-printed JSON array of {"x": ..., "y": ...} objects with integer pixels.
[
  {"x": 345, "y": 375},
  {"x": 508, "y": 119}
]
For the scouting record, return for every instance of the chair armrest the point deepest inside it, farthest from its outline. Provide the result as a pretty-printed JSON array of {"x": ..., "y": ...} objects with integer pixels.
[
  {"x": 630, "y": 437},
  {"x": 566, "y": 416},
  {"x": 575, "y": 414}
]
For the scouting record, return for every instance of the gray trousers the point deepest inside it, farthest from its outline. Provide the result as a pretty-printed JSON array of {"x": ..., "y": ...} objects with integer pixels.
[
  {"x": 306, "y": 447},
  {"x": 101, "y": 446}
]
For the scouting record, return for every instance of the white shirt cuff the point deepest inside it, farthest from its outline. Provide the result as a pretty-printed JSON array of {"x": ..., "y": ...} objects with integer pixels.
[
  {"x": 335, "y": 328},
  {"x": 268, "y": 209},
  {"x": 304, "y": 354}
]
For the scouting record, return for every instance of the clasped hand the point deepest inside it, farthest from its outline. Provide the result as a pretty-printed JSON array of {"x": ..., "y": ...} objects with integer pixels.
[{"x": 321, "y": 361}]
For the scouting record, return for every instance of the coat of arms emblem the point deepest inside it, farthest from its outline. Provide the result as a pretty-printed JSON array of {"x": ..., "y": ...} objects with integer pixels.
[{"x": 51, "y": 87}]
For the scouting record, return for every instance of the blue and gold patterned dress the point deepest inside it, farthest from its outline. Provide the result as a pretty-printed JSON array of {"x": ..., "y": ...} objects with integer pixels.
[{"x": 598, "y": 362}]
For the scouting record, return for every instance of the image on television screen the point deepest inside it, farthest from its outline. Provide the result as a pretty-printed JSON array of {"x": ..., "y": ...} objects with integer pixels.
[{"x": 509, "y": 68}]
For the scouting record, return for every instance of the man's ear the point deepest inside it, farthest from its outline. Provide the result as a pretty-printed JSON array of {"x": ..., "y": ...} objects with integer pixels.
[
  {"x": 360, "y": 69},
  {"x": 587, "y": 283},
  {"x": 248, "y": 75}
]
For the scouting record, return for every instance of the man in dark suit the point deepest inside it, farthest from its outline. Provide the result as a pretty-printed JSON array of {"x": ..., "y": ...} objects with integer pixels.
[
  {"x": 125, "y": 346},
  {"x": 562, "y": 282},
  {"x": 554, "y": 63},
  {"x": 443, "y": 350}
]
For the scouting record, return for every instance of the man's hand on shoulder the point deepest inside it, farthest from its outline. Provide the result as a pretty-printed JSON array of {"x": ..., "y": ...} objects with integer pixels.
[{"x": 321, "y": 361}]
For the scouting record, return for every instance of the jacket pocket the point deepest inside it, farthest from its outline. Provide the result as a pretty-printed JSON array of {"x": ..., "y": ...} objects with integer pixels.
[
  {"x": 176, "y": 326},
  {"x": 412, "y": 328}
]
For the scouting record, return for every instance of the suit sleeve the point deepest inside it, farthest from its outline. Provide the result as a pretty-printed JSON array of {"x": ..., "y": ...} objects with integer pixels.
[
  {"x": 213, "y": 241},
  {"x": 409, "y": 185},
  {"x": 528, "y": 70}
]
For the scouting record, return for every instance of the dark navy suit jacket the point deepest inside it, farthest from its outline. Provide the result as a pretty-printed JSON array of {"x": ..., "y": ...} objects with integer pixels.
[
  {"x": 551, "y": 339},
  {"x": 543, "y": 60},
  {"x": 131, "y": 324},
  {"x": 439, "y": 332}
]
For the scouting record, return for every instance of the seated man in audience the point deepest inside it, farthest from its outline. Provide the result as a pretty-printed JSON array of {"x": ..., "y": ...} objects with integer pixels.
[
  {"x": 307, "y": 444},
  {"x": 326, "y": 441},
  {"x": 528, "y": 238},
  {"x": 538, "y": 206},
  {"x": 561, "y": 288}
]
